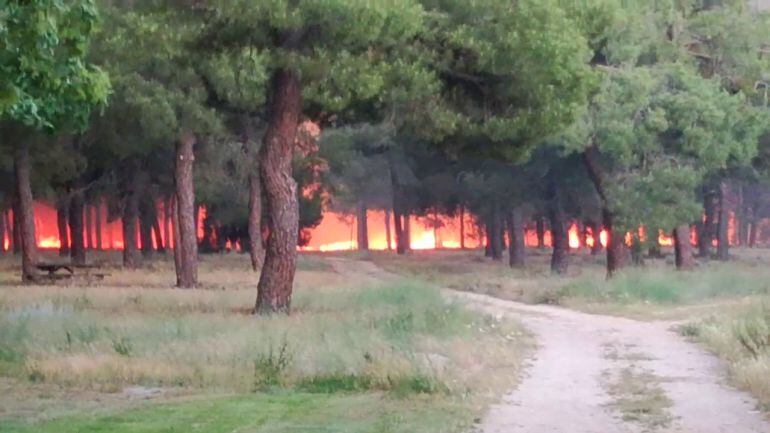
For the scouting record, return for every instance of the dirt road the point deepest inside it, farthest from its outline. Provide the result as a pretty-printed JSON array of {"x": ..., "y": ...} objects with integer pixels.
[{"x": 601, "y": 374}]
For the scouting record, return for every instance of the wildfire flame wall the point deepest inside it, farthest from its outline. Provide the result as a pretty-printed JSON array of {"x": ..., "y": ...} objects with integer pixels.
[{"x": 337, "y": 232}]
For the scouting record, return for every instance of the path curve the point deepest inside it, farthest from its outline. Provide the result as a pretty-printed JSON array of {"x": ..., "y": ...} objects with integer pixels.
[{"x": 562, "y": 391}]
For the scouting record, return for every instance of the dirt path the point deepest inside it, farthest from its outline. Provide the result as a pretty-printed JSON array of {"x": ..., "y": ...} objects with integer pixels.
[{"x": 601, "y": 374}]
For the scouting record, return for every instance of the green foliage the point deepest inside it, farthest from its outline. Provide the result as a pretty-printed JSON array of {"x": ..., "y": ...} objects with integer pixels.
[{"x": 47, "y": 82}]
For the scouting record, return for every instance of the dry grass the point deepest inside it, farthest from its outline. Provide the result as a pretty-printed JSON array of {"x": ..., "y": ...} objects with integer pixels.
[{"x": 345, "y": 334}]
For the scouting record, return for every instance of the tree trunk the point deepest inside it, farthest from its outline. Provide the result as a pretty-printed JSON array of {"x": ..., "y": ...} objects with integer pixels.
[
  {"x": 2, "y": 232},
  {"x": 89, "y": 227},
  {"x": 62, "y": 211},
  {"x": 159, "y": 244},
  {"x": 185, "y": 193},
  {"x": 9, "y": 229},
  {"x": 397, "y": 222},
  {"x": 387, "y": 230},
  {"x": 146, "y": 217},
  {"x": 706, "y": 228},
  {"x": 167, "y": 217},
  {"x": 683, "y": 248},
  {"x": 362, "y": 230},
  {"x": 753, "y": 234},
  {"x": 517, "y": 251},
  {"x": 26, "y": 214},
  {"x": 617, "y": 251},
  {"x": 78, "y": 249},
  {"x": 130, "y": 216},
  {"x": 407, "y": 232},
  {"x": 462, "y": 228},
  {"x": 496, "y": 233},
  {"x": 596, "y": 233},
  {"x": 559, "y": 236},
  {"x": 540, "y": 231},
  {"x": 256, "y": 248},
  {"x": 723, "y": 241},
  {"x": 277, "y": 278},
  {"x": 17, "y": 247},
  {"x": 177, "y": 249},
  {"x": 98, "y": 223}
]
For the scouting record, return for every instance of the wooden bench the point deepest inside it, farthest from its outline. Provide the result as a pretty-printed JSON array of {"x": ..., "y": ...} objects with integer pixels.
[{"x": 68, "y": 272}]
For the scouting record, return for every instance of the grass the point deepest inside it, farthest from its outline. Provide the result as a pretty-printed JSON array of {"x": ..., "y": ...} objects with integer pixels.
[
  {"x": 638, "y": 396},
  {"x": 740, "y": 336},
  {"x": 393, "y": 350}
]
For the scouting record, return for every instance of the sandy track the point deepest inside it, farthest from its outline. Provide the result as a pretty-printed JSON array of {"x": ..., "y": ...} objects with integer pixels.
[{"x": 564, "y": 392}]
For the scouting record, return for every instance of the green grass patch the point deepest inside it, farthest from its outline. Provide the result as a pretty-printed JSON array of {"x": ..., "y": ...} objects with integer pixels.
[{"x": 267, "y": 413}]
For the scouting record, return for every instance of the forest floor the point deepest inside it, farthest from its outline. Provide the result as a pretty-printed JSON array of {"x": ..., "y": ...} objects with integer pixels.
[{"x": 372, "y": 347}]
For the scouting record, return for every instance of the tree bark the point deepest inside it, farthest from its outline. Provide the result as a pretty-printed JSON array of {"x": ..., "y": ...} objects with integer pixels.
[
  {"x": 682, "y": 248},
  {"x": 2, "y": 232},
  {"x": 256, "y": 248},
  {"x": 559, "y": 237},
  {"x": 159, "y": 244},
  {"x": 362, "y": 229},
  {"x": 146, "y": 217},
  {"x": 276, "y": 281},
  {"x": 26, "y": 213},
  {"x": 399, "y": 228},
  {"x": 387, "y": 230},
  {"x": 62, "y": 217},
  {"x": 496, "y": 233},
  {"x": 517, "y": 251},
  {"x": 185, "y": 193},
  {"x": 78, "y": 249},
  {"x": 129, "y": 220},
  {"x": 9, "y": 229},
  {"x": 98, "y": 223},
  {"x": 462, "y": 227},
  {"x": 89, "y": 227},
  {"x": 596, "y": 232},
  {"x": 167, "y": 218},
  {"x": 407, "y": 232},
  {"x": 17, "y": 247},
  {"x": 540, "y": 230},
  {"x": 706, "y": 227},
  {"x": 177, "y": 249},
  {"x": 723, "y": 240},
  {"x": 617, "y": 252}
]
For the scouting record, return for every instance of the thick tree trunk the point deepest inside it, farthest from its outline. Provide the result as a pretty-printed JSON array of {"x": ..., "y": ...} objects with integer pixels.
[
  {"x": 185, "y": 193},
  {"x": 596, "y": 231},
  {"x": 540, "y": 230},
  {"x": 62, "y": 224},
  {"x": 26, "y": 213},
  {"x": 559, "y": 237},
  {"x": 177, "y": 249},
  {"x": 277, "y": 278},
  {"x": 98, "y": 223},
  {"x": 362, "y": 229},
  {"x": 256, "y": 248},
  {"x": 517, "y": 251},
  {"x": 388, "y": 240},
  {"x": 399, "y": 228},
  {"x": 496, "y": 234},
  {"x": 488, "y": 238},
  {"x": 129, "y": 221},
  {"x": 682, "y": 248},
  {"x": 89, "y": 228},
  {"x": 78, "y": 249}
]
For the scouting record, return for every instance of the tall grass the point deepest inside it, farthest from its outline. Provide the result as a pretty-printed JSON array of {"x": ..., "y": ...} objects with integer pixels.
[
  {"x": 742, "y": 338},
  {"x": 401, "y": 337}
]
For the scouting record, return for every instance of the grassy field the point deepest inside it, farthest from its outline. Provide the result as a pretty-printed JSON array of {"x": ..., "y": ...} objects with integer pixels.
[
  {"x": 357, "y": 355},
  {"x": 723, "y": 306}
]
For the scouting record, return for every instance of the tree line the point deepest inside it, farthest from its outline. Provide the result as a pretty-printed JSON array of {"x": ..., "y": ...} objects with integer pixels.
[{"x": 620, "y": 114}]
